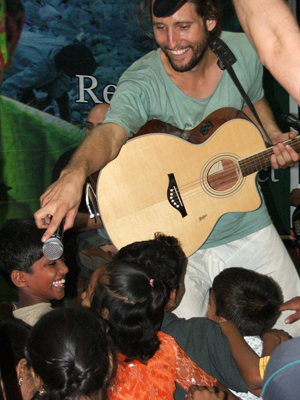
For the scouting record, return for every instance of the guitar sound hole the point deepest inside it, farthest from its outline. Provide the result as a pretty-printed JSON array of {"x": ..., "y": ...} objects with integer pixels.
[{"x": 223, "y": 175}]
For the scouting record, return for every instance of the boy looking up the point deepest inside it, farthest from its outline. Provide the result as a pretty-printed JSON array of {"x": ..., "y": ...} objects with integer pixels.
[{"x": 24, "y": 267}]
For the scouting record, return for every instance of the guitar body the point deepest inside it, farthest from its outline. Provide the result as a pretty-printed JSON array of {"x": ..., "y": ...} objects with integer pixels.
[{"x": 162, "y": 183}]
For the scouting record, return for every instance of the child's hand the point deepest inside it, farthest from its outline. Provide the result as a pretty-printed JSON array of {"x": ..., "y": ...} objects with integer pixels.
[
  {"x": 272, "y": 338},
  {"x": 280, "y": 334},
  {"x": 197, "y": 392}
]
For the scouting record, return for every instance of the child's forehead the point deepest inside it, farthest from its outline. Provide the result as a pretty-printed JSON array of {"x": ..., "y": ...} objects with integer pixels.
[{"x": 42, "y": 261}]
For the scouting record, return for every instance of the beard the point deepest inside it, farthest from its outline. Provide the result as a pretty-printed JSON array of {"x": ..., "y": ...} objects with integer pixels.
[{"x": 197, "y": 56}]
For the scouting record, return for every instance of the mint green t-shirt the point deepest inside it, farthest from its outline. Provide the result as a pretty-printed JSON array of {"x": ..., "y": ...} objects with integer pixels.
[{"x": 145, "y": 92}]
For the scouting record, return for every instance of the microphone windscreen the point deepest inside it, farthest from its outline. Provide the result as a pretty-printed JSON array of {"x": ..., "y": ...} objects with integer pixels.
[{"x": 53, "y": 249}]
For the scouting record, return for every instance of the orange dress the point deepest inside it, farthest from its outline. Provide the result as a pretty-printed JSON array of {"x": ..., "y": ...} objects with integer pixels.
[{"x": 156, "y": 380}]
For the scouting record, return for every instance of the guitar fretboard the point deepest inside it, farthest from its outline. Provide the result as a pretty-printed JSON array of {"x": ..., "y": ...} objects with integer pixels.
[{"x": 262, "y": 160}]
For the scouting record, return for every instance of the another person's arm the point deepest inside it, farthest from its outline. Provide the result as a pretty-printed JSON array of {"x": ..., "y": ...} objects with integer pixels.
[
  {"x": 63, "y": 197},
  {"x": 245, "y": 358},
  {"x": 293, "y": 304},
  {"x": 274, "y": 33},
  {"x": 272, "y": 339}
]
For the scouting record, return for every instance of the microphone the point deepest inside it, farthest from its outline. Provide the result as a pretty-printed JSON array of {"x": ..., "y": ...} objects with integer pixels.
[
  {"x": 291, "y": 120},
  {"x": 53, "y": 248}
]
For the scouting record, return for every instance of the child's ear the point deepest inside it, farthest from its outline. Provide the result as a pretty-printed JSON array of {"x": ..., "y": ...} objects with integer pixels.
[
  {"x": 172, "y": 301},
  {"x": 18, "y": 278},
  {"x": 21, "y": 368}
]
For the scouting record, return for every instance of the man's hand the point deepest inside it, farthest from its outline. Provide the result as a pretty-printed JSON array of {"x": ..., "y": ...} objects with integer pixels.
[
  {"x": 284, "y": 156},
  {"x": 60, "y": 200},
  {"x": 197, "y": 392},
  {"x": 293, "y": 304}
]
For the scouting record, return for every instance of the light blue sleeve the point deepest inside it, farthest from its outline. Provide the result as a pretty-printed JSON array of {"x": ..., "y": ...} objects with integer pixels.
[{"x": 129, "y": 107}]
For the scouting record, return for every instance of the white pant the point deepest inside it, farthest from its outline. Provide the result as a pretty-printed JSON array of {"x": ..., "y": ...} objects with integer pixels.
[{"x": 262, "y": 251}]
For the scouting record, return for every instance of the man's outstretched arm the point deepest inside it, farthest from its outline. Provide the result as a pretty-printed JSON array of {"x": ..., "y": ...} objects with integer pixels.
[
  {"x": 274, "y": 33},
  {"x": 63, "y": 197}
]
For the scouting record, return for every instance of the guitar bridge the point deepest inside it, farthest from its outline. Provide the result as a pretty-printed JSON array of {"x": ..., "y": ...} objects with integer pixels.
[{"x": 174, "y": 197}]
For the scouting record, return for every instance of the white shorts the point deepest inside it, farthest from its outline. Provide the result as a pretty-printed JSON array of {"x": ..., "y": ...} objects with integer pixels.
[{"x": 262, "y": 251}]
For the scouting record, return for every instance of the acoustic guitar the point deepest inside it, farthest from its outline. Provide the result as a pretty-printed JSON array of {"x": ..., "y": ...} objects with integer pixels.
[{"x": 181, "y": 185}]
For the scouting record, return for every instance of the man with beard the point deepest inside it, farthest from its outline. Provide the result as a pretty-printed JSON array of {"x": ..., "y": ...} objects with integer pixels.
[{"x": 181, "y": 84}]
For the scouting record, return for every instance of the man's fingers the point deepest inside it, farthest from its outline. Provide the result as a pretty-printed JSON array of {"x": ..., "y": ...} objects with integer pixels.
[
  {"x": 52, "y": 225},
  {"x": 292, "y": 304},
  {"x": 55, "y": 221},
  {"x": 283, "y": 157},
  {"x": 292, "y": 134},
  {"x": 69, "y": 219}
]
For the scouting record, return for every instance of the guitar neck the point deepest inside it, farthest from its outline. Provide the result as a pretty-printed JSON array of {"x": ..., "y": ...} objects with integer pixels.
[{"x": 262, "y": 160}]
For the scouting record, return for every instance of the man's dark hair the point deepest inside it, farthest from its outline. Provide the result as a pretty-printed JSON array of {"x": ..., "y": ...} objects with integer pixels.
[
  {"x": 163, "y": 256},
  {"x": 248, "y": 299},
  {"x": 20, "y": 247},
  {"x": 75, "y": 59},
  {"x": 206, "y": 9}
]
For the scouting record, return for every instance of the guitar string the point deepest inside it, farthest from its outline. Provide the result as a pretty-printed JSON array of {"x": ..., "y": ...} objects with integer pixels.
[
  {"x": 256, "y": 162},
  {"x": 250, "y": 164},
  {"x": 222, "y": 181},
  {"x": 247, "y": 166},
  {"x": 230, "y": 176},
  {"x": 188, "y": 191}
]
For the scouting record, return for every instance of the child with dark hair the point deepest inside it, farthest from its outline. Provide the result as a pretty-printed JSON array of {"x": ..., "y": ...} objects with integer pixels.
[
  {"x": 163, "y": 256},
  {"x": 149, "y": 361},
  {"x": 200, "y": 338},
  {"x": 71, "y": 355},
  {"x": 249, "y": 300},
  {"x": 24, "y": 267}
]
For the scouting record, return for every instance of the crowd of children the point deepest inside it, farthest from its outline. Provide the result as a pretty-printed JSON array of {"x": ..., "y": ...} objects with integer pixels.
[{"x": 124, "y": 341}]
